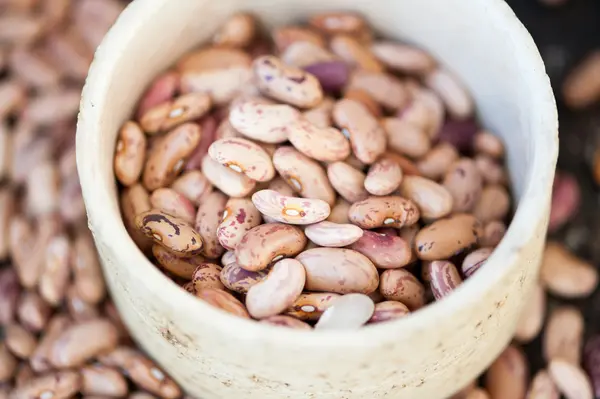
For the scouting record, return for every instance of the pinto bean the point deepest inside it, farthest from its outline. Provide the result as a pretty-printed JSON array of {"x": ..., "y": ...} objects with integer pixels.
[
  {"x": 447, "y": 237},
  {"x": 193, "y": 185},
  {"x": 347, "y": 181},
  {"x": 224, "y": 301},
  {"x": 464, "y": 182},
  {"x": 291, "y": 210},
  {"x": 240, "y": 216},
  {"x": 388, "y": 310},
  {"x": 170, "y": 232},
  {"x": 434, "y": 201},
  {"x": 328, "y": 234},
  {"x": 402, "y": 286},
  {"x": 391, "y": 211},
  {"x": 171, "y": 202},
  {"x": 228, "y": 181},
  {"x": 385, "y": 251},
  {"x": 268, "y": 123},
  {"x": 130, "y": 153},
  {"x": 384, "y": 177},
  {"x": 326, "y": 145},
  {"x": 243, "y": 156},
  {"x": 207, "y": 222}
]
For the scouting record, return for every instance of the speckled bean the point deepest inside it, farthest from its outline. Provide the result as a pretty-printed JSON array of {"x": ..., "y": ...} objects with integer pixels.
[
  {"x": 347, "y": 181},
  {"x": 320, "y": 116},
  {"x": 193, "y": 185},
  {"x": 10, "y": 291},
  {"x": 286, "y": 83},
  {"x": 78, "y": 309},
  {"x": 240, "y": 215},
  {"x": 103, "y": 381},
  {"x": 172, "y": 113},
  {"x": 8, "y": 364},
  {"x": 386, "y": 89},
  {"x": 224, "y": 301},
  {"x": 207, "y": 275},
  {"x": 444, "y": 278},
  {"x": 280, "y": 185},
  {"x": 493, "y": 204},
  {"x": 291, "y": 210},
  {"x": 286, "y": 321},
  {"x": 447, "y": 237},
  {"x": 243, "y": 156},
  {"x": 175, "y": 264},
  {"x": 464, "y": 182},
  {"x": 240, "y": 280},
  {"x": 268, "y": 123},
  {"x": 238, "y": 31},
  {"x": 171, "y": 202},
  {"x": 311, "y": 305},
  {"x": 390, "y": 211},
  {"x": 436, "y": 163},
  {"x": 493, "y": 232},
  {"x": 167, "y": 159},
  {"x": 385, "y": 251},
  {"x": 491, "y": 171},
  {"x": 303, "y": 53},
  {"x": 135, "y": 200},
  {"x": 354, "y": 53},
  {"x": 60, "y": 385},
  {"x": 130, "y": 153},
  {"x": 323, "y": 144},
  {"x": 406, "y": 138},
  {"x": 403, "y": 58},
  {"x": 338, "y": 270},
  {"x": 563, "y": 336},
  {"x": 228, "y": 181},
  {"x": 383, "y": 178},
  {"x": 457, "y": 99},
  {"x": 408, "y": 167},
  {"x": 434, "y": 201},
  {"x": 402, "y": 286},
  {"x": 565, "y": 275},
  {"x": 267, "y": 243},
  {"x": 171, "y": 232},
  {"x": 328, "y": 234},
  {"x": 388, "y": 310},
  {"x": 363, "y": 97},
  {"x": 208, "y": 219}
]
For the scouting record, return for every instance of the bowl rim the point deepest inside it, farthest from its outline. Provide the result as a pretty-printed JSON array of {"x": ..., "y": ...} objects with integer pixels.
[{"x": 108, "y": 229}]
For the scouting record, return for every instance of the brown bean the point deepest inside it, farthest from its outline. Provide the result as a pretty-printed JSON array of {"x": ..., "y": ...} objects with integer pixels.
[
  {"x": 33, "y": 311},
  {"x": 388, "y": 310},
  {"x": 267, "y": 243},
  {"x": 8, "y": 364},
  {"x": 170, "y": 232},
  {"x": 23, "y": 375},
  {"x": 493, "y": 204},
  {"x": 408, "y": 167},
  {"x": 486, "y": 143},
  {"x": 166, "y": 161},
  {"x": 347, "y": 181},
  {"x": 193, "y": 185},
  {"x": 207, "y": 222},
  {"x": 507, "y": 376},
  {"x": 7, "y": 210},
  {"x": 171, "y": 202},
  {"x": 436, "y": 163},
  {"x": 135, "y": 200},
  {"x": 532, "y": 317},
  {"x": 444, "y": 278},
  {"x": 19, "y": 340},
  {"x": 563, "y": 336},
  {"x": 88, "y": 279},
  {"x": 240, "y": 216},
  {"x": 290, "y": 210},
  {"x": 103, "y": 381},
  {"x": 207, "y": 275},
  {"x": 383, "y": 178},
  {"x": 311, "y": 305},
  {"x": 434, "y": 201},
  {"x": 57, "y": 385},
  {"x": 83, "y": 341},
  {"x": 338, "y": 270},
  {"x": 172, "y": 113},
  {"x": 21, "y": 239},
  {"x": 10, "y": 291},
  {"x": 391, "y": 211},
  {"x": 57, "y": 269},
  {"x": 179, "y": 266},
  {"x": 385, "y": 251},
  {"x": 238, "y": 31},
  {"x": 286, "y": 321},
  {"x": 40, "y": 358},
  {"x": 447, "y": 237},
  {"x": 224, "y": 301},
  {"x": 402, "y": 286},
  {"x": 464, "y": 182},
  {"x": 542, "y": 387},
  {"x": 130, "y": 153},
  {"x": 386, "y": 89},
  {"x": 565, "y": 275}
]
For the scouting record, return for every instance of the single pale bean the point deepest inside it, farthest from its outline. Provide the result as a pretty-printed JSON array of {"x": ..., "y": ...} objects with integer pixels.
[
  {"x": 286, "y": 83},
  {"x": 436, "y": 163},
  {"x": 426, "y": 111},
  {"x": 532, "y": 317},
  {"x": 33, "y": 311},
  {"x": 493, "y": 232},
  {"x": 211, "y": 59},
  {"x": 385, "y": 251},
  {"x": 349, "y": 311},
  {"x": 402, "y": 286},
  {"x": 304, "y": 175},
  {"x": 347, "y": 181},
  {"x": 408, "y": 167},
  {"x": 388, "y": 310},
  {"x": 167, "y": 159},
  {"x": 175, "y": 264},
  {"x": 224, "y": 301},
  {"x": 135, "y": 200},
  {"x": 328, "y": 234},
  {"x": 570, "y": 379},
  {"x": 367, "y": 138},
  {"x": 445, "y": 278},
  {"x": 455, "y": 96},
  {"x": 338, "y": 270},
  {"x": 221, "y": 84},
  {"x": 243, "y": 156},
  {"x": 278, "y": 290},
  {"x": 491, "y": 171},
  {"x": 130, "y": 153},
  {"x": 447, "y": 237},
  {"x": 207, "y": 275},
  {"x": 56, "y": 270},
  {"x": 563, "y": 336},
  {"x": 78, "y": 309},
  {"x": 227, "y": 180},
  {"x": 43, "y": 189},
  {"x": 403, "y": 58},
  {"x": 464, "y": 182},
  {"x": 57, "y": 385},
  {"x": 88, "y": 278},
  {"x": 542, "y": 387},
  {"x": 391, "y": 211},
  {"x": 363, "y": 97},
  {"x": 406, "y": 138},
  {"x": 486, "y": 143},
  {"x": 193, "y": 185},
  {"x": 565, "y": 275},
  {"x": 311, "y": 305},
  {"x": 408, "y": 234},
  {"x": 286, "y": 321},
  {"x": 19, "y": 340},
  {"x": 268, "y": 123},
  {"x": 354, "y": 53},
  {"x": 326, "y": 145},
  {"x": 320, "y": 116},
  {"x": 40, "y": 358},
  {"x": 238, "y": 31},
  {"x": 207, "y": 222},
  {"x": 172, "y": 113},
  {"x": 173, "y": 203},
  {"x": 10, "y": 291},
  {"x": 103, "y": 381},
  {"x": 286, "y": 36},
  {"x": 339, "y": 212},
  {"x": 267, "y": 243},
  {"x": 478, "y": 393},
  {"x": 171, "y": 232},
  {"x": 383, "y": 178},
  {"x": 240, "y": 216},
  {"x": 493, "y": 204},
  {"x": 304, "y": 53},
  {"x": 386, "y": 89},
  {"x": 582, "y": 86},
  {"x": 291, "y": 210},
  {"x": 161, "y": 90},
  {"x": 332, "y": 23},
  {"x": 434, "y": 201},
  {"x": 240, "y": 280},
  {"x": 507, "y": 376}
]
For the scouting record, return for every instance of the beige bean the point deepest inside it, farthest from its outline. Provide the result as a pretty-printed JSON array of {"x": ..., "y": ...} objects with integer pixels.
[
  {"x": 447, "y": 237},
  {"x": 402, "y": 286},
  {"x": 82, "y": 342},
  {"x": 563, "y": 336},
  {"x": 268, "y": 123},
  {"x": 193, "y": 185},
  {"x": 230, "y": 182},
  {"x": 354, "y": 53},
  {"x": 367, "y": 138},
  {"x": 238, "y": 31},
  {"x": 221, "y": 84},
  {"x": 170, "y": 232},
  {"x": 240, "y": 280},
  {"x": 267, "y": 243},
  {"x": 426, "y": 111},
  {"x": 338, "y": 270},
  {"x": 406, "y": 138},
  {"x": 207, "y": 222},
  {"x": 383, "y": 178},
  {"x": 385, "y": 251},
  {"x": 57, "y": 385},
  {"x": 304, "y": 53},
  {"x": 8, "y": 364},
  {"x": 339, "y": 212},
  {"x": 78, "y": 309},
  {"x": 285, "y": 36},
  {"x": 311, "y": 305},
  {"x": 207, "y": 275},
  {"x": 434, "y": 201},
  {"x": 436, "y": 163},
  {"x": 291, "y": 210},
  {"x": 454, "y": 95},
  {"x": 166, "y": 161},
  {"x": 408, "y": 167},
  {"x": 478, "y": 393},
  {"x": 565, "y": 275},
  {"x": 388, "y": 310},
  {"x": 493, "y": 232},
  {"x": 507, "y": 376},
  {"x": 130, "y": 153},
  {"x": 570, "y": 379},
  {"x": 240, "y": 216},
  {"x": 171, "y": 202},
  {"x": 386, "y": 89},
  {"x": 88, "y": 278},
  {"x": 286, "y": 321},
  {"x": 23, "y": 375},
  {"x": 43, "y": 189},
  {"x": 347, "y": 181},
  {"x": 19, "y": 340},
  {"x": 56, "y": 270},
  {"x": 349, "y": 311},
  {"x": 328, "y": 234},
  {"x": 532, "y": 317},
  {"x": 475, "y": 260},
  {"x": 488, "y": 144},
  {"x": 493, "y": 204},
  {"x": 408, "y": 234},
  {"x": 243, "y": 156},
  {"x": 445, "y": 278},
  {"x": 33, "y": 311},
  {"x": 332, "y": 23},
  {"x": 304, "y": 175},
  {"x": 326, "y": 145},
  {"x": 224, "y": 301},
  {"x": 211, "y": 58},
  {"x": 403, "y": 58},
  {"x": 172, "y": 113},
  {"x": 135, "y": 200},
  {"x": 391, "y": 211},
  {"x": 542, "y": 387},
  {"x": 286, "y": 83},
  {"x": 103, "y": 381},
  {"x": 464, "y": 182},
  {"x": 7, "y": 210},
  {"x": 491, "y": 171},
  {"x": 278, "y": 290},
  {"x": 175, "y": 264},
  {"x": 40, "y": 358}
]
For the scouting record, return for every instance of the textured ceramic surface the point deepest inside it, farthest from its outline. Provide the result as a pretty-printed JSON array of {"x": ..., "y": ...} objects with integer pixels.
[{"x": 427, "y": 355}]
